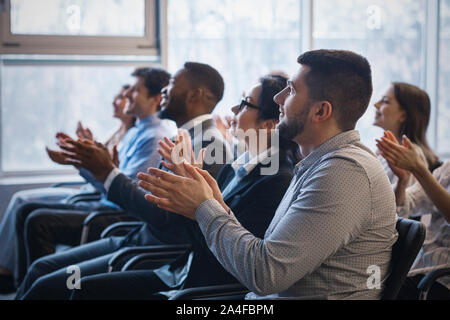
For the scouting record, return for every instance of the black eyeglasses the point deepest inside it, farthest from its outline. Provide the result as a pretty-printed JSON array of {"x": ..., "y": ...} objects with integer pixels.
[{"x": 246, "y": 103}]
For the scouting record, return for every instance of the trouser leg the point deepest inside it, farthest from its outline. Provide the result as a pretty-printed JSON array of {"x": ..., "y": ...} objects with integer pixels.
[
  {"x": 20, "y": 265},
  {"x": 126, "y": 285},
  {"x": 48, "y": 274},
  {"x": 45, "y": 228}
]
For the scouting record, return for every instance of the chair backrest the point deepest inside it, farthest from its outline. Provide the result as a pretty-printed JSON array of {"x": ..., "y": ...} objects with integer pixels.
[{"x": 411, "y": 235}]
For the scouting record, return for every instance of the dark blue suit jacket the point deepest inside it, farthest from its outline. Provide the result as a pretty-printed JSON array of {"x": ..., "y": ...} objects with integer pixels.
[{"x": 162, "y": 227}]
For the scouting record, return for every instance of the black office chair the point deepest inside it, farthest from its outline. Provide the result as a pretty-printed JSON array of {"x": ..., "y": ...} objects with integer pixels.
[
  {"x": 427, "y": 282},
  {"x": 68, "y": 184},
  {"x": 140, "y": 257},
  {"x": 120, "y": 229},
  {"x": 145, "y": 257},
  {"x": 103, "y": 217},
  {"x": 411, "y": 235},
  {"x": 79, "y": 197},
  {"x": 234, "y": 291}
]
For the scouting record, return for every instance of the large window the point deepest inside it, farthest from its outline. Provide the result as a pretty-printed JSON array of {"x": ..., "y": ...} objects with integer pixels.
[
  {"x": 243, "y": 39},
  {"x": 388, "y": 33},
  {"x": 76, "y": 17},
  {"x": 79, "y": 26},
  {"x": 62, "y": 61},
  {"x": 40, "y": 99},
  {"x": 247, "y": 38},
  {"x": 44, "y": 89},
  {"x": 443, "y": 115}
]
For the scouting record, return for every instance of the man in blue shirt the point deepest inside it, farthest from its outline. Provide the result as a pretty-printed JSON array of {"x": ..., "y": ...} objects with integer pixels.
[{"x": 137, "y": 152}]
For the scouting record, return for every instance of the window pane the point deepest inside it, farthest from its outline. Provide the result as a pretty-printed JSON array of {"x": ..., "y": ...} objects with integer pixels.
[
  {"x": 444, "y": 80},
  {"x": 242, "y": 39},
  {"x": 39, "y": 100},
  {"x": 78, "y": 17},
  {"x": 388, "y": 33}
]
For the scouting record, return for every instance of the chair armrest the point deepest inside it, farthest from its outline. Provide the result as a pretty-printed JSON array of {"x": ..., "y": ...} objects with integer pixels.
[
  {"x": 119, "y": 227},
  {"x": 92, "y": 217},
  {"x": 127, "y": 253},
  {"x": 427, "y": 282},
  {"x": 88, "y": 196},
  {"x": 68, "y": 184},
  {"x": 149, "y": 261},
  {"x": 222, "y": 292}
]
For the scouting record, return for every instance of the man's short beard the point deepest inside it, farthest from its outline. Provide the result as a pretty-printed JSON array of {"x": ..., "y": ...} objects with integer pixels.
[
  {"x": 173, "y": 112},
  {"x": 289, "y": 129}
]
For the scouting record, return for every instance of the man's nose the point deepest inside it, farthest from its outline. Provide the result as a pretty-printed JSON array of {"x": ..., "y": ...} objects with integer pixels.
[
  {"x": 128, "y": 93},
  {"x": 279, "y": 98}
]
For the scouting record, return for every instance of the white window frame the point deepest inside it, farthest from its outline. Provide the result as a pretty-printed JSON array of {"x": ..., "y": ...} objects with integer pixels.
[{"x": 90, "y": 45}]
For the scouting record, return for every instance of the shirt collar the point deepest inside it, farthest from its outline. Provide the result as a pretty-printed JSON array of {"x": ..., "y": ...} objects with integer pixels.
[
  {"x": 147, "y": 121},
  {"x": 191, "y": 123},
  {"x": 243, "y": 165},
  {"x": 338, "y": 141}
]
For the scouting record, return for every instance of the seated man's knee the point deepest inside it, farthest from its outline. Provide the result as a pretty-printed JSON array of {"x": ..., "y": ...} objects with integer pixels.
[
  {"x": 41, "y": 267},
  {"x": 18, "y": 198},
  {"x": 23, "y": 211},
  {"x": 83, "y": 288},
  {"x": 36, "y": 221}
]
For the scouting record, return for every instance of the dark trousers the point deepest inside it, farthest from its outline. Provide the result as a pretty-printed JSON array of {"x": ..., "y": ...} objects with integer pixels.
[
  {"x": 409, "y": 290},
  {"x": 125, "y": 285},
  {"x": 45, "y": 228},
  {"x": 23, "y": 212},
  {"x": 41, "y": 226},
  {"x": 47, "y": 277}
]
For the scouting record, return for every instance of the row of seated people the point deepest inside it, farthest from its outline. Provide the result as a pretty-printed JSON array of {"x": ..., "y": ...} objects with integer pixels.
[{"x": 308, "y": 230}]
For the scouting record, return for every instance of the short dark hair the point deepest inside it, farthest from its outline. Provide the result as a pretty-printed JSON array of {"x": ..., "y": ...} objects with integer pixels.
[
  {"x": 342, "y": 78},
  {"x": 271, "y": 85},
  {"x": 203, "y": 75},
  {"x": 154, "y": 79},
  {"x": 268, "y": 109}
]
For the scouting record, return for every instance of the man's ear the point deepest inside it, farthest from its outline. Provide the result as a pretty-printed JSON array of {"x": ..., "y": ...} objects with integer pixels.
[
  {"x": 156, "y": 100},
  {"x": 193, "y": 96},
  {"x": 322, "y": 111}
]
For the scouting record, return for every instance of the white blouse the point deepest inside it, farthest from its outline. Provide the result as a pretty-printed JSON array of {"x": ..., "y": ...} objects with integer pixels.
[{"x": 436, "y": 249}]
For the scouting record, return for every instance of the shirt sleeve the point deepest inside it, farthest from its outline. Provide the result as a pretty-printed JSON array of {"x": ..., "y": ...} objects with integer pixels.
[
  {"x": 417, "y": 203},
  {"x": 87, "y": 175},
  {"x": 329, "y": 211},
  {"x": 145, "y": 156},
  {"x": 112, "y": 175}
]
